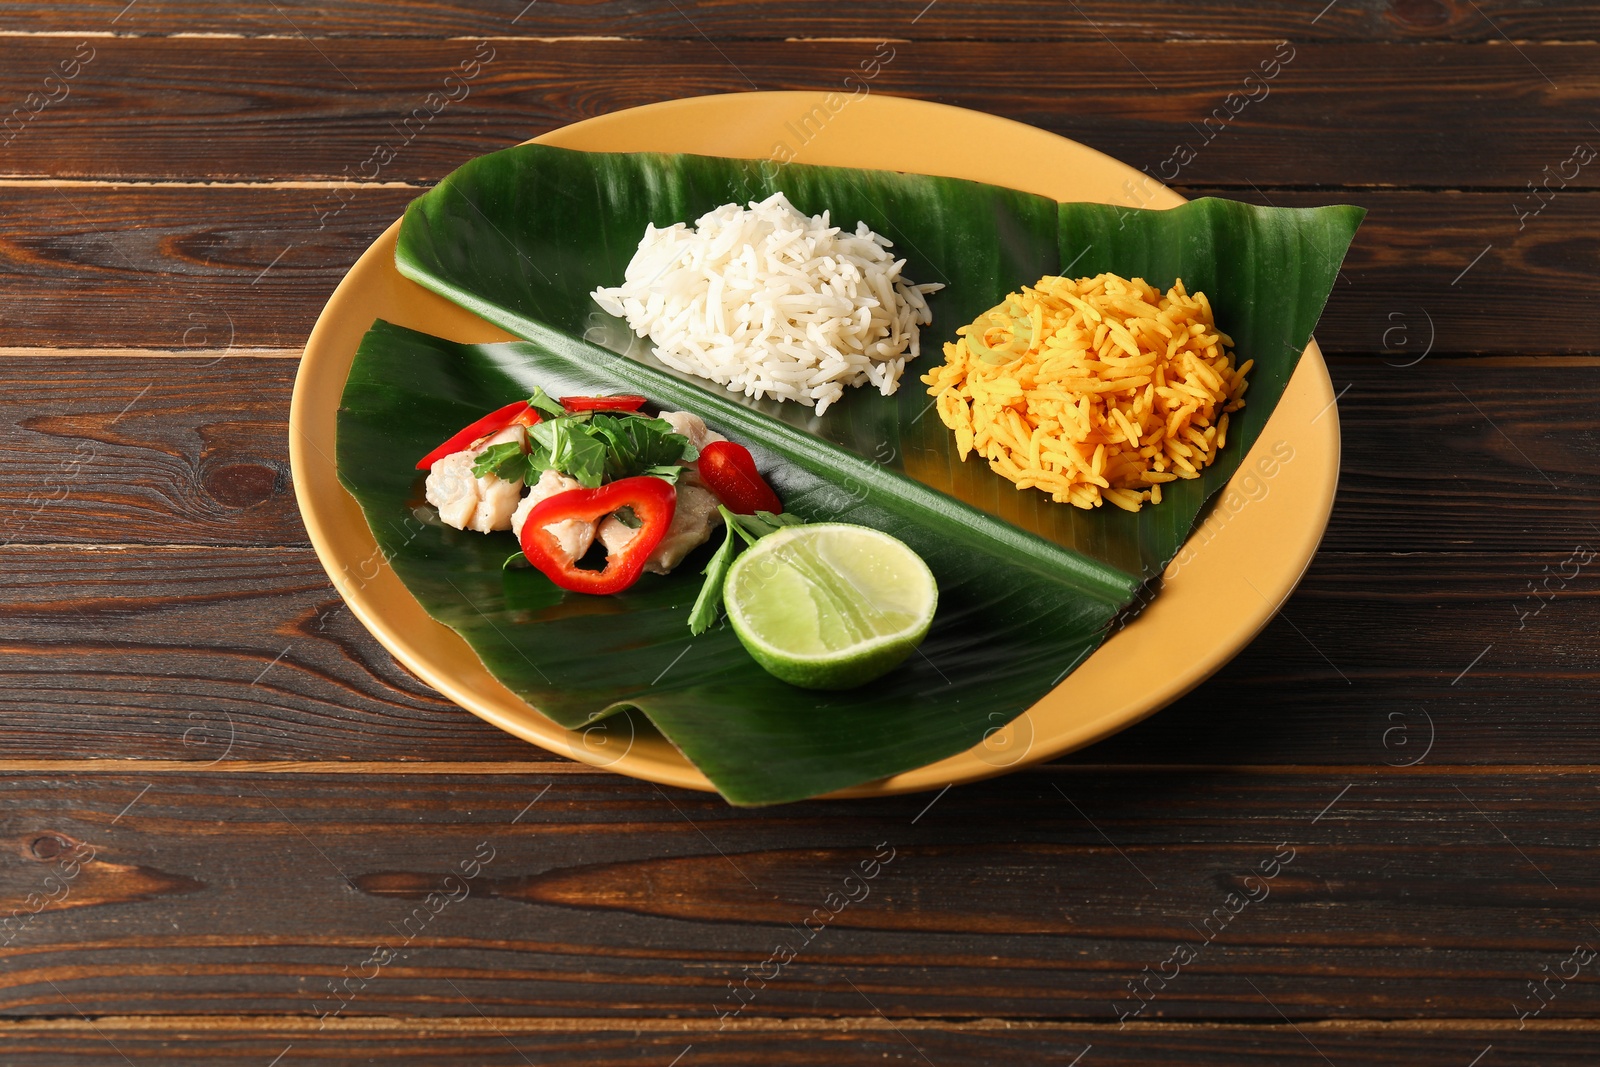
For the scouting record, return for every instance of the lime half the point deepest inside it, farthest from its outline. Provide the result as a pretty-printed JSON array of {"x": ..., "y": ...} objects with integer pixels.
[{"x": 830, "y": 606}]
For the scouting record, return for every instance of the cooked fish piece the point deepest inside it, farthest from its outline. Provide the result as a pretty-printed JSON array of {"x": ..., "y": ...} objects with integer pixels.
[
  {"x": 550, "y": 483},
  {"x": 497, "y": 500},
  {"x": 490, "y": 503},
  {"x": 615, "y": 534},
  {"x": 467, "y": 502},
  {"x": 692, "y": 522},
  {"x": 692, "y": 427},
  {"x": 510, "y": 433},
  {"x": 573, "y": 535}
]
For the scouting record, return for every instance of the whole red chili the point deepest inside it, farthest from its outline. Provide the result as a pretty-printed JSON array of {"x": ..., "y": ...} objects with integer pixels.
[
  {"x": 470, "y": 436},
  {"x": 730, "y": 472},
  {"x": 653, "y": 500}
]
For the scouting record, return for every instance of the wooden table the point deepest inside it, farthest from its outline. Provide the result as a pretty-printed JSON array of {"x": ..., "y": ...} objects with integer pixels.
[{"x": 224, "y": 802}]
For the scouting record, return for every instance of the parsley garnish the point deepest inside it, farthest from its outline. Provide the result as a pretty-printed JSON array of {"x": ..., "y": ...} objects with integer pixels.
[
  {"x": 591, "y": 448},
  {"x": 746, "y": 528},
  {"x": 507, "y": 459},
  {"x": 547, "y": 404}
]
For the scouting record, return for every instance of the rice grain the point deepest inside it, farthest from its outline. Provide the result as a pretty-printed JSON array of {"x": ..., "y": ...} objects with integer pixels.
[
  {"x": 771, "y": 302},
  {"x": 1092, "y": 389}
]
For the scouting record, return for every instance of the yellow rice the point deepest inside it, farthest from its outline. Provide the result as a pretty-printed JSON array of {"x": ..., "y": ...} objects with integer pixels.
[{"x": 1092, "y": 389}]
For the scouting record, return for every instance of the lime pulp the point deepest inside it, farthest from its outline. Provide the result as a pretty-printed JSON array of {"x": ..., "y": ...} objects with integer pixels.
[{"x": 830, "y": 605}]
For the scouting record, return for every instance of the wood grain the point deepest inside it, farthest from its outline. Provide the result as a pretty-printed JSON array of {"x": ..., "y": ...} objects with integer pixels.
[
  {"x": 1031, "y": 20},
  {"x": 190, "y": 269},
  {"x": 162, "y": 653},
  {"x": 190, "y": 449},
  {"x": 183, "y": 269},
  {"x": 1025, "y": 897},
  {"x": 1394, "y": 660},
  {"x": 1475, "y": 455},
  {"x": 1474, "y": 116},
  {"x": 205, "y": 654},
  {"x": 870, "y": 1040},
  {"x": 159, "y": 651},
  {"x": 1482, "y": 456},
  {"x": 219, "y": 796}
]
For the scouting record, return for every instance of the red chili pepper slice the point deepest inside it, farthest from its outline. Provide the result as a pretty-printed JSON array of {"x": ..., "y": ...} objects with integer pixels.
[
  {"x": 653, "y": 500},
  {"x": 624, "y": 402},
  {"x": 730, "y": 472},
  {"x": 469, "y": 436}
]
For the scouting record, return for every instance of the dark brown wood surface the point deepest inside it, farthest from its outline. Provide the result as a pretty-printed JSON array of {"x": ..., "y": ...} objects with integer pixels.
[
  {"x": 249, "y": 265},
  {"x": 1362, "y": 20},
  {"x": 223, "y": 806},
  {"x": 153, "y": 108}
]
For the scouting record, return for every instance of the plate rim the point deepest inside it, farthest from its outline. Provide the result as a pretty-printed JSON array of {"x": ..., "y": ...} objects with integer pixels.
[{"x": 1309, "y": 384}]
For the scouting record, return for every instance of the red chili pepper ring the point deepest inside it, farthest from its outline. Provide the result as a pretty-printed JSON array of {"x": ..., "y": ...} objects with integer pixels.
[
  {"x": 653, "y": 500},
  {"x": 486, "y": 427},
  {"x": 620, "y": 402}
]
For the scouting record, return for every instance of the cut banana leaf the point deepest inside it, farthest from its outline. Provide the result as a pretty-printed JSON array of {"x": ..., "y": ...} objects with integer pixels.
[
  {"x": 1028, "y": 587},
  {"x": 521, "y": 237},
  {"x": 1267, "y": 273},
  {"x": 1015, "y": 612}
]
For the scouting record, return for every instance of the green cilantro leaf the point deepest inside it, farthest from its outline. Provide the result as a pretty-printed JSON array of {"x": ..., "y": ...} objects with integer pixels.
[
  {"x": 746, "y": 528},
  {"x": 589, "y": 447},
  {"x": 544, "y": 402},
  {"x": 708, "y": 605},
  {"x": 505, "y": 460},
  {"x": 569, "y": 446},
  {"x": 636, "y": 444}
]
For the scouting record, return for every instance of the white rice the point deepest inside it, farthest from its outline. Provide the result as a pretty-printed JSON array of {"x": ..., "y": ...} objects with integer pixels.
[{"x": 770, "y": 302}]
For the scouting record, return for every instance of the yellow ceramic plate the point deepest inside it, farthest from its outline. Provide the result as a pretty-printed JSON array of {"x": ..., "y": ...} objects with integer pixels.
[{"x": 1235, "y": 572}]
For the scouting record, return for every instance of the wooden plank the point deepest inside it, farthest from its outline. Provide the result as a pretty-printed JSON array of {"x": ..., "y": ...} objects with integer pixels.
[
  {"x": 184, "y": 269},
  {"x": 1032, "y": 20},
  {"x": 824, "y": 1043},
  {"x": 206, "y": 654},
  {"x": 202, "y": 654},
  {"x": 1471, "y": 455},
  {"x": 1396, "y": 659},
  {"x": 1428, "y": 270},
  {"x": 1393, "y": 895},
  {"x": 193, "y": 450},
  {"x": 187, "y": 269},
  {"x": 132, "y": 648},
  {"x": 1323, "y": 113},
  {"x": 190, "y": 449}
]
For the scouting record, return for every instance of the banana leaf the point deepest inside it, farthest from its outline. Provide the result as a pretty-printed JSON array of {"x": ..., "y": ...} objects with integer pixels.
[
  {"x": 1015, "y": 611},
  {"x": 522, "y": 236},
  {"x": 1028, "y": 588}
]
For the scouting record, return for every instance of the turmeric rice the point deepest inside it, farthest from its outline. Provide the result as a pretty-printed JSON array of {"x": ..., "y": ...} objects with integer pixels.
[{"x": 1092, "y": 389}]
